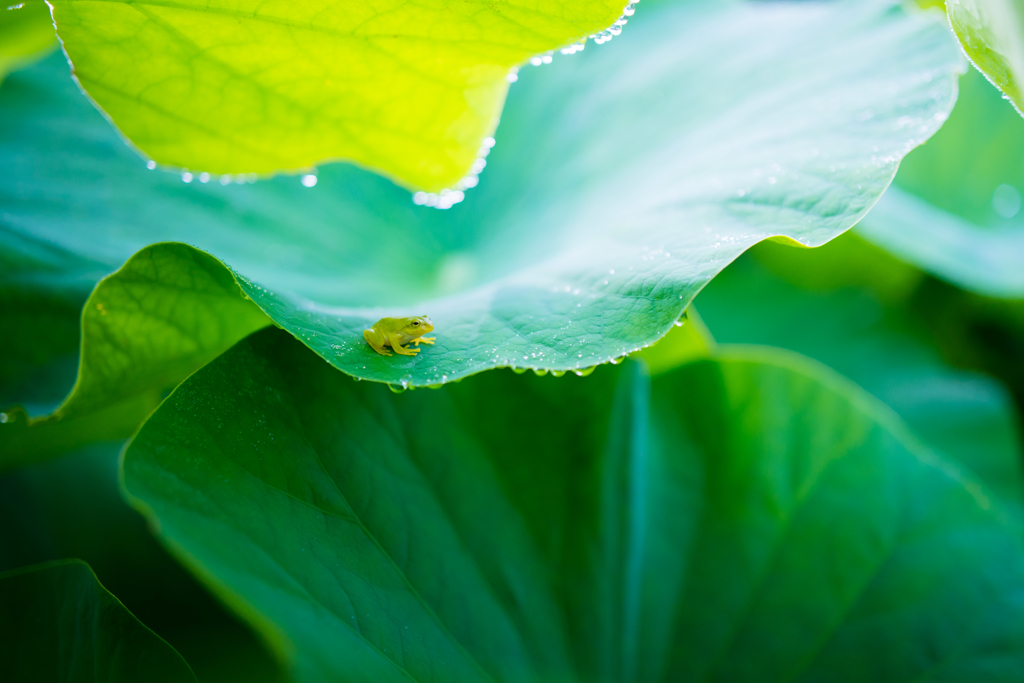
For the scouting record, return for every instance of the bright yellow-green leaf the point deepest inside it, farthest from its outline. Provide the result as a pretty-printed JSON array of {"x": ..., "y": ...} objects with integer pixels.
[
  {"x": 26, "y": 33},
  {"x": 239, "y": 86},
  {"x": 992, "y": 34}
]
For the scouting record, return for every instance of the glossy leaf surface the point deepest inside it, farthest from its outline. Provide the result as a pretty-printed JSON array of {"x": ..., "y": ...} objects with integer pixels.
[
  {"x": 750, "y": 517},
  {"x": 992, "y": 34},
  {"x": 248, "y": 86},
  {"x": 59, "y": 624},
  {"x": 608, "y": 202}
]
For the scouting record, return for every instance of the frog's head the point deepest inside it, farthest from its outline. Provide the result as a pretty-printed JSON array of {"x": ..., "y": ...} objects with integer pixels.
[{"x": 418, "y": 326}]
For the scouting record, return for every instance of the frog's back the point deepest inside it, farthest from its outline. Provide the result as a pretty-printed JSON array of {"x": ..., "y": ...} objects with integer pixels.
[{"x": 376, "y": 334}]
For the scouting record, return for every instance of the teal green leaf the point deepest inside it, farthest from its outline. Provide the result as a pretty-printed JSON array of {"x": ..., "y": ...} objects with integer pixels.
[
  {"x": 167, "y": 311},
  {"x": 690, "y": 340},
  {"x": 746, "y": 518},
  {"x": 26, "y": 33},
  {"x": 967, "y": 417},
  {"x": 407, "y": 89},
  {"x": 37, "y": 365},
  {"x": 992, "y": 34},
  {"x": 59, "y": 624},
  {"x": 608, "y": 202},
  {"x": 955, "y": 207}
]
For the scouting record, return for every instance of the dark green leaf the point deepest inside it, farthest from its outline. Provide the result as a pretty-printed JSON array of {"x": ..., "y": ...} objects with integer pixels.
[
  {"x": 73, "y": 507},
  {"x": 59, "y": 624},
  {"x": 752, "y": 517},
  {"x": 964, "y": 415}
]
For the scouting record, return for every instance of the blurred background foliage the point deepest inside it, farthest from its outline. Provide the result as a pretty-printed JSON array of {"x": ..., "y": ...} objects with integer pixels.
[
  {"x": 72, "y": 507},
  {"x": 25, "y": 35}
]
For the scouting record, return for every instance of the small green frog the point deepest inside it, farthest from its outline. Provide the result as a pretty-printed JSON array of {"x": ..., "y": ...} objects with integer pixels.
[{"x": 397, "y": 333}]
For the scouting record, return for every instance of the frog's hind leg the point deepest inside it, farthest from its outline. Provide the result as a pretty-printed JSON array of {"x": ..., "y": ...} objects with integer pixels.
[
  {"x": 425, "y": 340},
  {"x": 370, "y": 335}
]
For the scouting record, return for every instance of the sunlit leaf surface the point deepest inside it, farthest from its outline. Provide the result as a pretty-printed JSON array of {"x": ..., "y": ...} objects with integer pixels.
[
  {"x": 748, "y": 518},
  {"x": 992, "y": 34},
  {"x": 242, "y": 86},
  {"x": 623, "y": 179}
]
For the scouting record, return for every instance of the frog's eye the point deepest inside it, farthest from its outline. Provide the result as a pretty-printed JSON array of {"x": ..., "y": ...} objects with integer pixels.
[{"x": 415, "y": 323}]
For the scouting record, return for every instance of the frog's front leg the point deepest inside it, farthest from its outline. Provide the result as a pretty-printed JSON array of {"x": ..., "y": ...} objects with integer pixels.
[
  {"x": 376, "y": 341},
  {"x": 395, "y": 340},
  {"x": 425, "y": 340}
]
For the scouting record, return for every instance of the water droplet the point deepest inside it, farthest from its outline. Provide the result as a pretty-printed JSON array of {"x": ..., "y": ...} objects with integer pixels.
[
  {"x": 519, "y": 371},
  {"x": 540, "y": 372},
  {"x": 557, "y": 373},
  {"x": 396, "y": 388},
  {"x": 150, "y": 164},
  {"x": 186, "y": 177},
  {"x": 308, "y": 180},
  {"x": 1006, "y": 201},
  {"x": 585, "y": 371}
]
